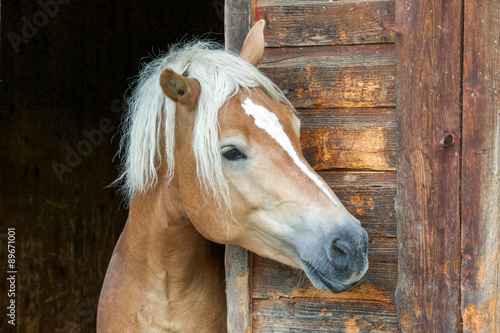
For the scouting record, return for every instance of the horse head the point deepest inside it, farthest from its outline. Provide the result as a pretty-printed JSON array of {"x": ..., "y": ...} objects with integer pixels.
[{"x": 247, "y": 183}]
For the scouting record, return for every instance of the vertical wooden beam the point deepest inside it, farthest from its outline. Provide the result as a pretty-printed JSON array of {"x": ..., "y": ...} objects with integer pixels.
[
  {"x": 238, "y": 289},
  {"x": 428, "y": 51},
  {"x": 481, "y": 168},
  {"x": 238, "y": 21}
]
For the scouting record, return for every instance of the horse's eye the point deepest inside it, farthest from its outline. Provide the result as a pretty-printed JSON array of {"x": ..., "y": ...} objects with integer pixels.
[{"x": 232, "y": 154}]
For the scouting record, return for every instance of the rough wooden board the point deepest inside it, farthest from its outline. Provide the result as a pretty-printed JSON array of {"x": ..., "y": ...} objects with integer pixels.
[
  {"x": 481, "y": 168},
  {"x": 300, "y": 23},
  {"x": 238, "y": 19},
  {"x": 322, "y": 315},
  {"x": 362, "y": 138},
  {"x": 428, "y": 39},
  {"x": 238, "y": 292},
  {"x": 334, "y": 76},
  {"x": 369, "y": 196},
  {"x": 274, "y": 280},
  {"x": 237, "y": 23}
]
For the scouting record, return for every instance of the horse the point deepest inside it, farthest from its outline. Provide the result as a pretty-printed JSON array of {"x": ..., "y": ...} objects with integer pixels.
[{"x": 212, "y": 156}]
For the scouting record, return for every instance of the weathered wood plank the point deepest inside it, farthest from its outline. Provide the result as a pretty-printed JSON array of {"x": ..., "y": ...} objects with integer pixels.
[
  {"x": 271, "y": 279},
  {"x": 238, "y": 20},
  {"x": 362, "y": 138},
  {"x": 334, "y": 76},
  {"x": 369, "y": 196},
  {"x": 324, "y": 22},
  {"x": 322, "y": 315},
  {"x": 428, "y": 39},
  {"x": 481, "y": 168},
  {"x": 238, "y": 293}
]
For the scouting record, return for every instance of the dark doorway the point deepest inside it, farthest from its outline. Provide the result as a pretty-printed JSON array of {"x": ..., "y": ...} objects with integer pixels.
[{"x": 65, "y": 67}]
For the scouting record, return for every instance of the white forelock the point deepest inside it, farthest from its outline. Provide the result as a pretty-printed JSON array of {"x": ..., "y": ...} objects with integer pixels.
[{"x": 221, "y": 75}]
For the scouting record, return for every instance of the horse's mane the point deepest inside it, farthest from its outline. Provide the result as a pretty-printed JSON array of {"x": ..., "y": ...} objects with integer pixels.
[{"x": 221, "y": 75}]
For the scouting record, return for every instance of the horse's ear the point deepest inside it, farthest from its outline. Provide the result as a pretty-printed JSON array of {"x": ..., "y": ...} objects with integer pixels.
[
  {"x": 179, "y": 88},
  {"x": 253, "y": 46}
]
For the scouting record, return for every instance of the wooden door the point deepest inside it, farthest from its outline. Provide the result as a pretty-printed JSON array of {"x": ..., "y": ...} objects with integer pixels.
[
  {"x": 336, "y": 63},
  {"x": 448, "y": 201}
]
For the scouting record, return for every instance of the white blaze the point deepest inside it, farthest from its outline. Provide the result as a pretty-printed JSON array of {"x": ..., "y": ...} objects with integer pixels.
[{"x": 270, "y": 123}]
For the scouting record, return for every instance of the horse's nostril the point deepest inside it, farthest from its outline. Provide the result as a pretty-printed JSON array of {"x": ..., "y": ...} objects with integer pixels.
[
  {"x": 340, "y": 253},
  {"x": 341, "y": 246}
]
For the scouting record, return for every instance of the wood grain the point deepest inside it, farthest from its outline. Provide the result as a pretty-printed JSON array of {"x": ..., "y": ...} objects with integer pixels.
[
  {"x": 322, "y": 315},
  {"x": 237, "y": 23},
  {"x": 319, "y": 81},
  {"x": 481, "y": 168},
  {"x": 369, "y": 196},
  {"x": 238, "y": 293},
  {"x": 301, "y": 23},
  {"x": 427, "y": 204},
  {"x": 363, "y": 138},
  {"x": 238, "y": 19},
  {"x": 334, "y": 76}
]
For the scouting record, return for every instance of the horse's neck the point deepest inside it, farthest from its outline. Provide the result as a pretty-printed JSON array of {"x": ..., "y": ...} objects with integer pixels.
[{"x": 164, "y": 276}]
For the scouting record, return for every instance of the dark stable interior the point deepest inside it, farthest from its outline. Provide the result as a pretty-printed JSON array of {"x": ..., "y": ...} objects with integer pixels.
[{"x": 65, "y": 69}]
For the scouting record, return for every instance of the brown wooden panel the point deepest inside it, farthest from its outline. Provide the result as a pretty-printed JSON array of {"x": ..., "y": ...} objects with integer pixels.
[
  {"x": 238, "y": 19},
  {"x": 237, "y": 23},
  {"x": 363, "y": 138},
  {"x": 300, "y": 23},
  {"x": 428, "y": 39},
  {"x": 322, "y": 315},
  {"x": 481, "y": 168},
  {"x": 238, "y": 277},
  {"x": 273, "y": 280},
  {"x": 369, "y": 196},
  {"x": 334, "y": 76}
]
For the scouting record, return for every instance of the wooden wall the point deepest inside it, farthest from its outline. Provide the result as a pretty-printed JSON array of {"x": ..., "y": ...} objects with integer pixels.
[
  {"x": 336, "y": 63},
  {"x": 448, "y": 201},
  {"x": 429, "y": 76},
  {"x": 480, "y": 201},
  {"x": 66, "y": 79}
]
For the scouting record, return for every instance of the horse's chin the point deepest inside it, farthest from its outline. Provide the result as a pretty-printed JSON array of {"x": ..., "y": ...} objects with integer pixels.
[{"x": 321, "y": 282}]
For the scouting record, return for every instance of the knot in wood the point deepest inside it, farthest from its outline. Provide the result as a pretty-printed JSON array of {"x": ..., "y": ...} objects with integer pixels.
[{"x": 448, "y": 140}]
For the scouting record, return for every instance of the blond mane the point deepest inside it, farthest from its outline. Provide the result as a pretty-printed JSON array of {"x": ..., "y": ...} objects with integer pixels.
[{"x": 221, "y": 75}]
